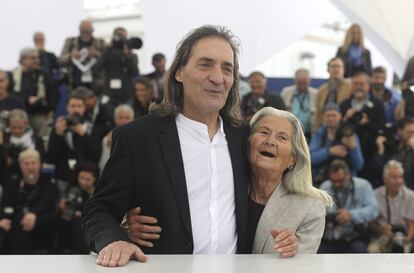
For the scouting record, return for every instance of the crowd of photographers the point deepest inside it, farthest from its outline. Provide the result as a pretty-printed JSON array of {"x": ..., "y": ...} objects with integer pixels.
[{"x": 57, "y": 115}]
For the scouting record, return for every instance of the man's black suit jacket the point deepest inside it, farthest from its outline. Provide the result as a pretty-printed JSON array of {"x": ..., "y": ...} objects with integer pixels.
[{"x": 146, "y": 169}]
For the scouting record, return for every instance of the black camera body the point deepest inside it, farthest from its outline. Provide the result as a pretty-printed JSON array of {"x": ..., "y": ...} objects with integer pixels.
[
  {"x": 131, "y": 43},
  {"x": 408, "y": 95},
  {"x": 74, "y": 202},
  {"x": 72, "y": 120},
  {"x": 344, "y": 130}
]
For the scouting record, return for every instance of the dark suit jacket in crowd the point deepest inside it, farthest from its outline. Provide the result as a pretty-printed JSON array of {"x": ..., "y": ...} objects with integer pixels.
[
  {"x": 366, "y": 65},
  {"x": 272, "y": 100},
  {"x": 146, "y": 169},
  {"x": 368, "y": 133}
]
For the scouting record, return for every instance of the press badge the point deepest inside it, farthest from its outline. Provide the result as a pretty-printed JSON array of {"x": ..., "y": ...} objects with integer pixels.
[{"x": 115, "y": 84}]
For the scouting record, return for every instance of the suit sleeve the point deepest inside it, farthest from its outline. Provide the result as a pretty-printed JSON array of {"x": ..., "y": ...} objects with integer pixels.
[
  {"x": 310, "y": 232},
  {"x": 103, "y": 213}
]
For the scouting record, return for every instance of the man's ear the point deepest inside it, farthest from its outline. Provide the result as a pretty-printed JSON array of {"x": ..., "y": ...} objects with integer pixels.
[{"x": 178, "y": 75}]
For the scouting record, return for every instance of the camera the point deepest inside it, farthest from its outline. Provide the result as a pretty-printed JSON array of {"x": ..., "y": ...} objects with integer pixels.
[
  {"x": 74, "y": 202},
  {"x": 74, "y": 119},
  {"x": 4, "y": 120},
  {"x": 408, "y": 95},
  {"x": 345, "y": 129},
  {"x": 131, "y": 43},
  {"x": 389, "y": 133}
]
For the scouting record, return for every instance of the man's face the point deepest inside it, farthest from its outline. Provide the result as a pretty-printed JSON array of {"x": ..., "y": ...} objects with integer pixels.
[
  {"x": 339, "y": 179},
  {"x": 406, "y": 133},
  {"x": 257, "y": 85},
  {"x": 31, "y": 61},
  {"x": 207, "y": 77},
  {"x": 18, "y": 127},
  {"x": 30, "y": 168},
  {"x": 336, "y": 69},
  {"x": 302, "y": 82},
  {"x": 394, "y": 180},
  {"x": 4, "y": 83},
  {"x": 39, "y": 40},
  {"x": 86, "y": 31},
  {"x": 90, "y": 102},
  {"x": 331, "y": 118},
  {"x": 159, "y": 65},
  {"x": 378, "y": 80},
  {"x": 122, "y": 118},
  {"x": 121, "y": 34},
  {"x": 360, "y": 87},
  {"x": 76, "y": 106}
]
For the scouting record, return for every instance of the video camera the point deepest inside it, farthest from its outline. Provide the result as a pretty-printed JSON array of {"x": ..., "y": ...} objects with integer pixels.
[{"x": 131, "y": 43}]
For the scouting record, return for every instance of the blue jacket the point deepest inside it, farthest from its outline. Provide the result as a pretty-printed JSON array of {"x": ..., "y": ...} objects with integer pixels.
[
  {"x": 320, "y": 152},
  {"x": 360, "y": 201}
]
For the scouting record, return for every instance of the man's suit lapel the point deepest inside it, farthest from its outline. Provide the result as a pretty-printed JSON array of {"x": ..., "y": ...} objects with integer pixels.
[
  {"x": 170, "y": 145},
  {"x": 275, "y": 207},
  {"x": 236, "y": 141}
]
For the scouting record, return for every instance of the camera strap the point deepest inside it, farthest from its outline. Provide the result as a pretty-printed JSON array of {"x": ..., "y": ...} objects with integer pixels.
[
  {"x": 341, "y": 202},
  {"x": 387, "y": 202}
]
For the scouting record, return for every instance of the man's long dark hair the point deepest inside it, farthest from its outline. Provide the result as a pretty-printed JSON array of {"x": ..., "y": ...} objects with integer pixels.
[{"x": 173, "y": 102}]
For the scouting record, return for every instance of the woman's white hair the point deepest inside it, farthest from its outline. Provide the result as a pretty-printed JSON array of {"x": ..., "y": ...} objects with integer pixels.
[{"x": 298, "y": 178}]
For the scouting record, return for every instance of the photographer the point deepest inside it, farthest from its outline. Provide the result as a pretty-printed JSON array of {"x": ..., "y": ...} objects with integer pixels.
[
  {"x": 27, "y": 209},
  {"x": 19, "y": 137},
  {"x": 259, "y": 97},
  {"x": 8, "y": 101},
  {"x": 393, "y": 230},
  {"x": 355, "y": 206},
  {"x": 79, "y": 56},
  {"x": 367, "y": 114},
  {"x": 37, "y": 88},
  {"x": 70, "y": 239},
  {"x": 406, "y": 105},
  {"x": 400, "y": 148},
  {"x": 120, "y": 65},
  {"x": 334, "y": 141},
  {"x": 70, "y": 142}
]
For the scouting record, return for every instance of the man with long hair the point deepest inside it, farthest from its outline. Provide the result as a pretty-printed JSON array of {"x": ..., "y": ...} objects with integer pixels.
[{"x": 182, "y": 164}]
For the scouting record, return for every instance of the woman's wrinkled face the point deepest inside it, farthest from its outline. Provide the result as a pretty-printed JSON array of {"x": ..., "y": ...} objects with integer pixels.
[{"x": 271, "y": 145}]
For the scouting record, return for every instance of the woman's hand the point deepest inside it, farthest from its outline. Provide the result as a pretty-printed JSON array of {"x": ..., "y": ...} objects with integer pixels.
[
  {"x": 141, "y": 229},
  {"x": 285, "y": 242}
]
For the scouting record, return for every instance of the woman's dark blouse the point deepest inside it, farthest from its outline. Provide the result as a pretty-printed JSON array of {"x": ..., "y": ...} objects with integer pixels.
[{"x": 255, "y": 211}]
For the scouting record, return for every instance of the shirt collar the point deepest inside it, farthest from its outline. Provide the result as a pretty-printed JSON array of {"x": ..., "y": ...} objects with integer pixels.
[{"x": 198, "y": 126}]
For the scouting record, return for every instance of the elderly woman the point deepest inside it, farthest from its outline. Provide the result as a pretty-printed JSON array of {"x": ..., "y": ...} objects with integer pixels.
[
  {"x": 281, "y": 194},
  {"x": 282, "y": 197}
]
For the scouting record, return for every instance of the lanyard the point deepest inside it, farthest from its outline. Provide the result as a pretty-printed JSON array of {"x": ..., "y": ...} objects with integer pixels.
[{"x": 341, "y": 202}]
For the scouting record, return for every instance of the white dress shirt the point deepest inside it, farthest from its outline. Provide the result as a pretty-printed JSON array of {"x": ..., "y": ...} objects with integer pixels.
[{"x": 210, "y": 187}]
